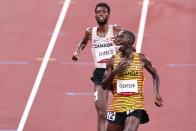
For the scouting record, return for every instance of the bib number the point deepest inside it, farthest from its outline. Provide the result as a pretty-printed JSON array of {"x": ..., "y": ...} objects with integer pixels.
[
  {"x": 127, "y": 86},
  {"x": 111, "y": 116},
  {"x": 104, "y": 53}
]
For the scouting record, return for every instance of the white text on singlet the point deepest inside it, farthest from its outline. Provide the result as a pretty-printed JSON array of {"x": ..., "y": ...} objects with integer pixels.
[{"x": 103, "y": 48}]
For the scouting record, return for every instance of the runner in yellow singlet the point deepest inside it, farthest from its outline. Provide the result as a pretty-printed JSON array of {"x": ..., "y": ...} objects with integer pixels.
[{"x": 125, "y": 72}]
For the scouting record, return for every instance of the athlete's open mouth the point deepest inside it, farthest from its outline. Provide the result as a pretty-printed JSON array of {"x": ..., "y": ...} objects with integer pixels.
[
  {"x": 101, "y": 18},
  {"x": 118, "y": 44}
]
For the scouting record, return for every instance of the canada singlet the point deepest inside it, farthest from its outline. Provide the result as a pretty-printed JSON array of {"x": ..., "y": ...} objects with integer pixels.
[{"x": 103, "y": 48}]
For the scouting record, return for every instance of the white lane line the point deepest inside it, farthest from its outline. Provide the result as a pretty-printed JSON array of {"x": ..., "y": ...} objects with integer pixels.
[
  {"x": 79, "y": 93},
  {"x": 180, "y": 65},
  {"x": 7, "y": 130},
  {"x": 78, "y": 63},
  {"x": 142, "y": 25},
  {"x": 43, "y": 65},
  {"x": 14, "y": 63}
]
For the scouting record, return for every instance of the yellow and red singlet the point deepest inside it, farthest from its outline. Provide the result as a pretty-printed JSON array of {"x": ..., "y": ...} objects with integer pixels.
[{"x": 128, "y": 86}]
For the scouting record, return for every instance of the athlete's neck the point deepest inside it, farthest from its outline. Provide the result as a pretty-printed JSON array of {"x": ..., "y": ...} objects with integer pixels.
[
  {"x": 127, "y": 54},
  {"x": 103, "y": 28}
]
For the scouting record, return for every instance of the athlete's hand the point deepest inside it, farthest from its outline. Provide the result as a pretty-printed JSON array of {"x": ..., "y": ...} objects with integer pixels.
[
  {"x": 121, "y": 66},
  {"x": 75, "y": 56},
  {"x": 158, "y": 101}
]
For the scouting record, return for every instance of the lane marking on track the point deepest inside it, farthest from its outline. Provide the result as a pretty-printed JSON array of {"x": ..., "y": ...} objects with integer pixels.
[
  {"x": 63, "y": 1},
  {"x": 181, "y": 65},
  {"x": 14, "y": 63},
  {"x": 60, "y": 34},
  {"x": 44, "y": 64},
  {"x": 78, "y": 93},
  {"x": 41, "y": 59},
  {"x": 8, "y": 130},
  {"x": 78, "y": 63},
  {"x": 150, "y": 3},
  {"x": 142, "y": 25}
]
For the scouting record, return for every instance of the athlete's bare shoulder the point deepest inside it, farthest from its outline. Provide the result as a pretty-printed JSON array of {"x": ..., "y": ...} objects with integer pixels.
[
  {"x": 144, "y": 59},
  {"x": 116, "y": 29},
  {"x": 141, "y": 55},
  {"x": 88, "y": 34},
  {"x": 89, "y": 30}
]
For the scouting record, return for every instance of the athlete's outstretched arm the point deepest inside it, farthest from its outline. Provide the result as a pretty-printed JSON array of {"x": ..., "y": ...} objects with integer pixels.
[
  {"x": 82, "y": 44},
  {"x": 156, "y": 80}
]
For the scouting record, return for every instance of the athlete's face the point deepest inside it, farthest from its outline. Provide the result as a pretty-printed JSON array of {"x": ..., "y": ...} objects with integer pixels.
[
  {"x": 101, "y": 15},
  {"x": 122, "y": 41}
]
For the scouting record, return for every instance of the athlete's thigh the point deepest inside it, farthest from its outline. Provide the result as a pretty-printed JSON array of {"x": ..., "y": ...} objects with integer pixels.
[
  {"x": 114, "y": 127},
  {"x": 131, "y": 123}
]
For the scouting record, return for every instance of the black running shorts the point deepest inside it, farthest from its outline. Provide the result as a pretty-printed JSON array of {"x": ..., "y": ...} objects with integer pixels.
[
  {"x": 98, "y": 75},
  {"x": 120, "y": 117}
]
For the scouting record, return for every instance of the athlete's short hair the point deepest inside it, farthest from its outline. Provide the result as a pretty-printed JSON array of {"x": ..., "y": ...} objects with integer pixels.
[
  {"x": 102, "y": 4},
  {"x": 129, "y": 35}
]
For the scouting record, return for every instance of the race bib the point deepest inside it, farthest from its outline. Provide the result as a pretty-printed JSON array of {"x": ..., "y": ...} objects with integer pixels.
[
  {"x": 127, "y": 86},
  {"x": 104, "y": 53}
]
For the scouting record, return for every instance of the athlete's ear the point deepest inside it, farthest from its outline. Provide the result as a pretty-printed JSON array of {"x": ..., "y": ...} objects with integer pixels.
[
  {"x": 108, "y": 16},
  {"x": 131, "y": 42}
]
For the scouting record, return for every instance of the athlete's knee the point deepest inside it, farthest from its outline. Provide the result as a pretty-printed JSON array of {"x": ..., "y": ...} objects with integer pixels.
[
  {"x": 131, "y": 129},
  {"x": 101, "y": 106},
  {"x": 101, "y": 114}
]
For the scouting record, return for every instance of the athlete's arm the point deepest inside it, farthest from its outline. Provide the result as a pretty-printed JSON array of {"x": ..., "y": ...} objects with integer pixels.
[
  {"x": 156, "y": 80},
  {"x": 82, "y": 44}
]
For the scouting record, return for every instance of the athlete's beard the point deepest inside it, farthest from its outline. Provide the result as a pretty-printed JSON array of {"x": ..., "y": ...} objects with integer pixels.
[{"x": 102, "y": 22}]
